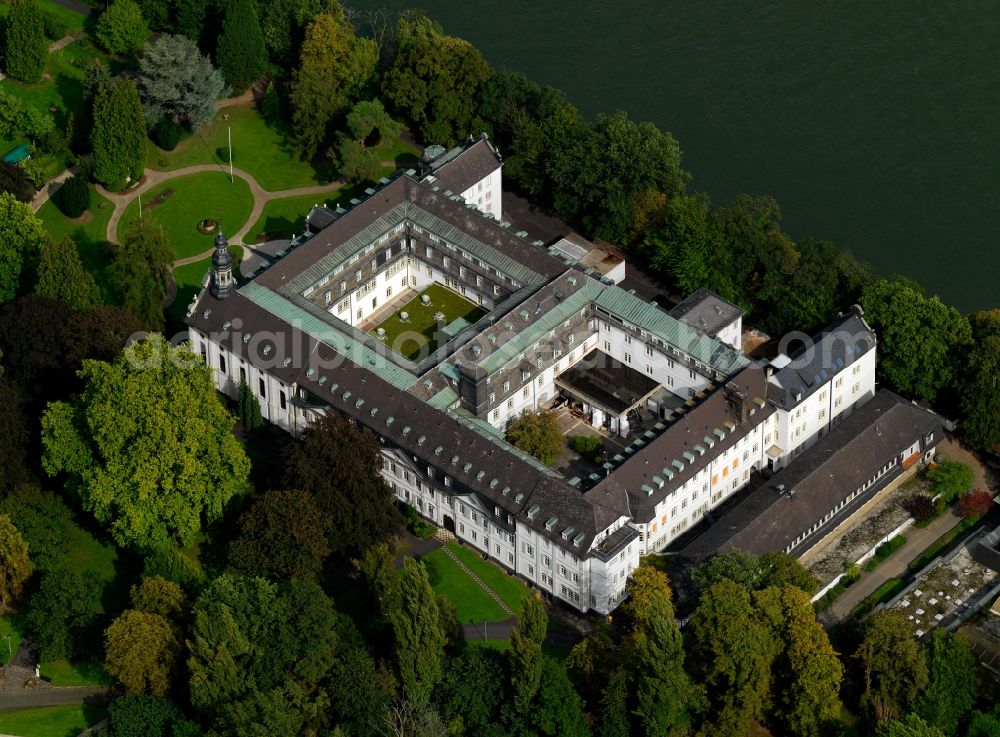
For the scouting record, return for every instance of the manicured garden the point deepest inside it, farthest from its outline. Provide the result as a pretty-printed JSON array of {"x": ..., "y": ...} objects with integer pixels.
[
  {"x": 51, "y": 721},
  {"x": 472, "y": 603},
  {"x": 286, "y": 217},
  {"x": 180, "y": 204},
  {"x": 420, "y": 328},
  {"x": 260, "y": 148}
]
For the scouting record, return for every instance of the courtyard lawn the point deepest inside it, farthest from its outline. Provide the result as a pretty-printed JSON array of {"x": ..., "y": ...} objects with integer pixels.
[
  {"x": 509, "y": 588},
  {"x": 89, "y": 232},
  {"x": 259, "y": 148},
  {"x": 472, "y": 603},
  {"x": 409, "y": 338},
  {"x": 51, "y": 721},
  {"x": 193, "y": 198},
  {"x": 188, "y": 279}
]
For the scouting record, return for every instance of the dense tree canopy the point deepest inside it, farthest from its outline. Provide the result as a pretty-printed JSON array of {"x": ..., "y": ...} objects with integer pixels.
[
  {"x": 339, "y": 465},
  {"x": 26, "y": 48},
  {"x": 282, "y": 535},
  {"x": 14, "y": 431},
  {"x": 15, "y": 564},
  {"x": 893, "y": 669},
  {"x": 16, "y": 182},
  {"x": 140, "y": 651},
  {"x": 152, "y": 475},
  {"x": 142, "y": 715},
  {"x": 121, "y": 29},
  {"x": 952, "y": 681},
  {"x": 62, "y": 612},
  {"x": 21, "y": 238},
  {"x": 435, "y": 80},
  {"x": 754, "y": 572},
  {"x": 419, "y": 636},
  {"x": 240, "y": 55},
  {"x": 921, "y": 339},
  {"x": 61, "y": 275},
  {"x": 140, "y": 267},
  {"x": 334, "y": 67},
  {"x": 178, "y": 81}
]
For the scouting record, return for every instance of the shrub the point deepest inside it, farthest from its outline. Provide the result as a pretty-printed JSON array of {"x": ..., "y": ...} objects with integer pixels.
[
  {"x": 168, "y": 133},
  {"x": 588, "y": 446},
  {"x": 416, "y": 524},
  {"x": 53, "y": 28},
  {"x": 975, "y": 503},
  {"x": 884, "y": 550},
  {"x": 950, "y": 480},
  {"x": 921, "y": 507},
  {"x": 73, "y": 198},
  {"x": 222, "y": 152},
  {"x": 121, "y": 28}
]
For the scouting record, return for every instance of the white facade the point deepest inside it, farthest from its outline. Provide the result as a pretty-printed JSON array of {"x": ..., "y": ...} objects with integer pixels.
[{"x": 487, "y": 194}]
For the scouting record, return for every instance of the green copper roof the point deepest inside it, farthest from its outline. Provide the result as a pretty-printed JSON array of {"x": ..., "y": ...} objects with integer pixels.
[
  {"x": 322, "y": 331},
  {"x": 641, "y": 314},
  {"x": 443, "y": 399}
]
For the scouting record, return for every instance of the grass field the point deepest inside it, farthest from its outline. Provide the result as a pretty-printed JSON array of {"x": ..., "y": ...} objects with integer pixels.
[
  {"x": 508, "y": 588},
  {"x": 410, "y": 338},
  {"x": 472, "y": 604},
  {"x": 72, "y": 20},
  {"x": 10, "y": 624},
  {"x": 195, "y": 197},
  {"x": 259, "y": 148},
  {"x": 286, "y": 217},
  {"x": 51, "y": 721},
  {"x": 89, "y": 232}
]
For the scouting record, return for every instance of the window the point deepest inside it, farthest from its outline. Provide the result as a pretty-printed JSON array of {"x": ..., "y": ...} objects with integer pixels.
[
  {"x": 670, "y": 381},
  {"x": 856, "y": 388},
  {"x": 649, "y": 369},
  {"x": 328, "y": 296},
  {"x": 261, "y": 387},
  {"x": 524, "y": 393},
  {"x": 649, "y": 351},
  {"x": 546, "y": 561},
  {"x": 222, "y": 363},
  {"x": 607, "y": 347},
  {"x": 562, "y": 571},
  {"x": 510, "y": 403},
  {"x": 531, "y": 570},
  {"x": 506, "y": 386},
  {"x": 461, "y": 271},
  {"x": 510, "y": 558},
  {"x": 628, "y": 358},
  {"x": 388, "y": 291},
  {"x": 357, "y": 275},
  {"x": 493, "y": 397},
  {"x": 282, "y": 401},
  {"x": 628, "y": 339}
]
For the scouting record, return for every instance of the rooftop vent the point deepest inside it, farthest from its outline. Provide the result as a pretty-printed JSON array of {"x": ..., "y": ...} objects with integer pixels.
[
  {"x": 567, "y": 532},
  {"x": 454, "y": 459},
  {"x": 533, "y": 510},
  {"x": 406, "y": 429},
  {"x": 287, "y": 361},
  {"x": 480, "y": 475},
  {"x": 359, "y": 403},
  {"x": 437, "y": 450},
  {"x": 421, "y": 440},
  {"x": 389, "y": 420},
  {"x": 504, "y": 490},
  {"x": 519, "y": 498},
  {"x": 577, "y": 539},
  {"x": 246, "y": 337},
  {"x": 551, "y": 522},
  {"x": 466, "y": 467}
]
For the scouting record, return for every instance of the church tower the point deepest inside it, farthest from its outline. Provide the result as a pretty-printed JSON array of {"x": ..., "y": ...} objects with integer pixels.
[{"x": 222, "y": 268}]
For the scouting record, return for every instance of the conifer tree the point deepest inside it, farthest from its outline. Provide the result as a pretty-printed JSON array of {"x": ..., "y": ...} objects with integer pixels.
[
  {"x": 248, "y": 408},
  {"x": 121, "y": 28},
  {"x": 241, "y": 55},
  {"x": 140, "y": 266},
  {"x": 61, "y": 275},
  {"x": 420, "y": 638},
  {"x": 26, "y": 46},
  {"x": 119, "y": 135},
  {"x": 526, "y": 653}
]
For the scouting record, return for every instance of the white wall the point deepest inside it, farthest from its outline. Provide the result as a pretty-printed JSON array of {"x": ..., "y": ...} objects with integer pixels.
[{"x": 487, "y": 194}]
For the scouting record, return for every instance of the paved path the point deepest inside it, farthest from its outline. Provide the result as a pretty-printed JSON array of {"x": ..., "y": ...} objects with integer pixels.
[
  {"x": 151, "y": 178},
  {"x": 31, "y": 698},
  {"x": 65, "y": 41},
  {"x": 75, "y": 6},
  {"x": 490, "y": 630},
  {"x": 42, "y": 196},
  {"x": 917, "y": 541}
]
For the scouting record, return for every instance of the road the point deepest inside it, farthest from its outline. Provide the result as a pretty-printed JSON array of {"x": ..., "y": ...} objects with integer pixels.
[{"x": 31, "y": 698}]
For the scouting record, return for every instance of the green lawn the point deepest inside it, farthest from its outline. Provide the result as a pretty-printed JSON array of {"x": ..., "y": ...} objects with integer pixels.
[
  {"x": 472, "y": 604},
  {"x": 259, "y": 148},
  {"x": 64, "y": 673},
  {"x": 10, "y": 624},
  {"x": 409, "y": 338},
  {"x": 188, "y": 280},
  {"x": 195, "y": 197},
  {"x": 72, "y": 20},
  {"x": 89, "y": 232},
  {"x": 51, "y": 721},
  {"x": 286, "y": 217}
]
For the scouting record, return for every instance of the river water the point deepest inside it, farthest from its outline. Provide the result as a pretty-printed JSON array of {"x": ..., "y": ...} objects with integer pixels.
[{"x": 875, "y": 123}]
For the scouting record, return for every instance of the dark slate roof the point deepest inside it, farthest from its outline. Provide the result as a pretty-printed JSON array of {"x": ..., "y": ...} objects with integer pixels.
[
  {"x": 496, "y": 472},
  {"x": 829, "y": 352},
  {"x": 473, "y": 164},
  {"x": 706, "y": 311},
  {"x": 687, "y": 432},
  {"x": 769, "y": 520}
]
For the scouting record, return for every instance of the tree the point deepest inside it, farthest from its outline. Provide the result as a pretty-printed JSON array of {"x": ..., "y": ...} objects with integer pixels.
[
  {"x": 189, "y": 18},
  {"x": 472, "y": 689},
  {"x": 559, "y": 710},
  {"x": 147, "y": 446},
  {"x": 178, "y": 81},
  {"x": 525, "y": 654},
  {"x": 142, "y": 715},
  {"x": 140, "y": 651},
  {"x": 26, "y": 46},
  {"x": 16, "y": 119},
  {"x": 21, "y": 237},
  {"x": 538, "y": 434},
  {"x": 16, "y": 182},
  {"x": 140, "y": 267},
  {"x": 44, "y": 521},
  {"x": 334, "y": 66},
  {"x": 270, "y": 104},
  {"x": 807, "y": 672},
  {"x": 980, "y": 401},
  {"x": 952, "y": 683},
  {"x": 118, "y": 138},
  {"x": 121, "y": 28},
  {"x": 248, "y": 408},
  {"x": 975, "y": 504},
  {"x": 909, "y": 726},
  {"x": 157, "y": 595},
  {"x": 734, "y": 652},
  {"x": 283, "y": 535},
  {"x": 921, "y": 339},
  {"x": 419, "y": 637},
  {"x": 357, "y": 164},
  {"x": 435, "y": 80},
  {"x": 754, "y": 572},
  {"x": 62, "y": 612},
  {"x": 14, "y": 431},
  {"x": 61, "y": 275},
  {"x": 370, "y": 124},
  {"x": 241, "y": 55},
  {"x": 893, "y": 668},
  {"x": 982, "y": 724},
  {"x": 73, "y": 198},
  {"x": 340, "y": 466},
  {"x": 665, "y": 698},
  {"x": 921, "y": 507},
  {"x": 15, "y": 565},
  {"x": 950, "y": 479}
]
